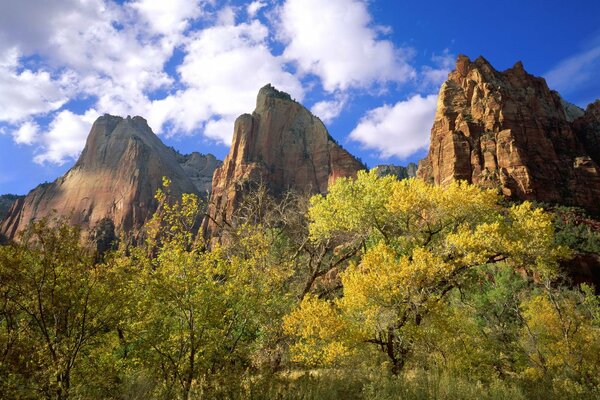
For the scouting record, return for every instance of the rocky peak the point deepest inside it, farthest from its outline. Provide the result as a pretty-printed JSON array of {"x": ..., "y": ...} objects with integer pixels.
[
  {"x": 115, "y": 177},
  {"x": 508, "y": 130},
  {"x": 200, "y": 169},
  {"x": 282, "y": 145}
]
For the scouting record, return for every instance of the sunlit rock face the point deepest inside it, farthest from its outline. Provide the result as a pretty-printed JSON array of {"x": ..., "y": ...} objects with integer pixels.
[
  {"x": 116, "y": 177},
  {"x": 509, "y": 131},
  {"x": 282, "y": 145}
]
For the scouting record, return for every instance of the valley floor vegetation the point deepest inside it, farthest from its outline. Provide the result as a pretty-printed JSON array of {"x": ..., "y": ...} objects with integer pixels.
[{"x": 382, "y": 289}]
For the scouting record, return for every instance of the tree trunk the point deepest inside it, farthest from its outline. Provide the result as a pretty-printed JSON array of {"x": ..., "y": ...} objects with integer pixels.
[{"x": 63, "y": 380}]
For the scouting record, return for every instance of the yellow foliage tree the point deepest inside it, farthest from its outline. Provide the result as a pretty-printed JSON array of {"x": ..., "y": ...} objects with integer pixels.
[{"x": 421, "y": 240}]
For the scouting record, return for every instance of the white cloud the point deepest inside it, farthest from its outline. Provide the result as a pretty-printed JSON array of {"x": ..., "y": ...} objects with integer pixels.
[
  {"x": 168, "y": 17},
  {"x": 97, "y": 49},
  {"x": 335, "y": 41},
  {"x": 329, "y": 110},
  {"x": 432, "y": 77},
  {"x": 26, "y": 93},
  {"x": 400, "y": 130},
  {"x": 224, "y": 67},
  {"x": 576, "y": 71},
  {"x": 27, "y": 133},
  {"x": 253, "y": 8},
  {"x": 66, "y": 136}
]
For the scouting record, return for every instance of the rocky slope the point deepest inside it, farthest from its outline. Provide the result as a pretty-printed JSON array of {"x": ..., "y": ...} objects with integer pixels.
[
  {"x": 509, "y": 130},
  {"x": 116, "y": 176},
  {"x": 282, "y": 145},
  {"x": 400, "y": 172}
]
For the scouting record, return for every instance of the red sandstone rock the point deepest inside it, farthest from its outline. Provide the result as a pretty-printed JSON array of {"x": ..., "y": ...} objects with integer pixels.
[
  {"x": 282, "y": 145},
  {"x": 509, "y": 130}
]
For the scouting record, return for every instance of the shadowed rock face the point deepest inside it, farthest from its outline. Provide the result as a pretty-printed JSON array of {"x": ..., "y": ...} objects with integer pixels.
[
  {"x": 116, "y": 176},
  {"x": 200, "y": 169},
  {"x": 510, "y": 131},
  {"x": 400, "y": 172},
  {"x": 6, "y": 202},
  {"x": 281, "y": 145}
]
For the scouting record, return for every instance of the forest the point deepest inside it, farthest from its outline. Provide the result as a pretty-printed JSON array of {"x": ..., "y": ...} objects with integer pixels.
[{"x": 382, "y": 289}]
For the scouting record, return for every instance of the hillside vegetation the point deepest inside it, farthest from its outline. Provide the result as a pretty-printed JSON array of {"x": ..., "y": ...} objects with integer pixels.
[{"x": 383, "y": 289}]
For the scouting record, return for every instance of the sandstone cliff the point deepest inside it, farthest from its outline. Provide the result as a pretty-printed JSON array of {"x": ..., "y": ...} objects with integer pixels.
[
  {"x": 510, "y": 131},
  {"x": 116, "y": 176},
  {"x": 281, "y": 145}
]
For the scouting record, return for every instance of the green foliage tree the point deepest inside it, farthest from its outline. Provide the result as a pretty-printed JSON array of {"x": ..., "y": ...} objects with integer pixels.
[
  {"x": 57, "y": 304},
  {"x": 193, "y": 313}
]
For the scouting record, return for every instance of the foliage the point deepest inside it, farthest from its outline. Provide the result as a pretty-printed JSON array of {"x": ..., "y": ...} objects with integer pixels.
[
  {"x": 422, "y": 241},
  {"x": 382, "y": 289},
  {"x": 57, "y": 305}
]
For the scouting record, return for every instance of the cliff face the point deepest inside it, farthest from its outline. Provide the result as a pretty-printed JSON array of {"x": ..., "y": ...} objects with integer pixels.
[
  {"x": 281, "y": 145},
  {"x": 509, "y": 130},
  {"x": 116, "y": 176}
]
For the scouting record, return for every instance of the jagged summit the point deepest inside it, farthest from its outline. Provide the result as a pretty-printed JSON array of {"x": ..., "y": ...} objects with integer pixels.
[
  {"x": 282, "y": 145},
  {"x": 116, "y": 177},
  {"x": 510, "y": 131},
  {"x": 270, "y": 91}
]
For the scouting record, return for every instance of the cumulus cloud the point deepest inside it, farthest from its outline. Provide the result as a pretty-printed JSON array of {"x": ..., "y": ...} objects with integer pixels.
[
  {"x": 93, "y": 49},
  {"x": 336, "y": 41},
  {"x": 254, "y": 7},
  {"x": 223, "y": 69},
  {"x": 24, "y": 93},
  {"x": 400, "y": 130},
  {"x": 329, "y": 110},
  {"x": 168, "y": 17},
  {"x": 27, "y": 133},
  {"x": 66, "y": 136},
  {"x": 432, "y": 77}
]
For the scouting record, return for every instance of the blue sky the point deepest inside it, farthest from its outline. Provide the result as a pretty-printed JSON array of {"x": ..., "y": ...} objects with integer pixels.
[{"x": 370, "y": 69}]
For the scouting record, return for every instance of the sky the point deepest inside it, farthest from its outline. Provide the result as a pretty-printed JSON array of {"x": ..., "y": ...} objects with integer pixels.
[{"x": 370, "y": 69}]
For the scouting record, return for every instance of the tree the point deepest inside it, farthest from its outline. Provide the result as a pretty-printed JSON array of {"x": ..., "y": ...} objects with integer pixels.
[
  {"x": 420, "y": 243},
  {"x": 194, "y": 313},
  {"x": 561, "y": 336},
  {"x": 57, "y": 304}
]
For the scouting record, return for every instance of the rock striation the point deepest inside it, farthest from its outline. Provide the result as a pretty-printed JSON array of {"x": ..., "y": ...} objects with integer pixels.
[
  {"x": 400, "y": 172},
  {"x": 115, "y": 177},
  {"x": 509, "y": 131},
  {"x": 282, "y": 145}
]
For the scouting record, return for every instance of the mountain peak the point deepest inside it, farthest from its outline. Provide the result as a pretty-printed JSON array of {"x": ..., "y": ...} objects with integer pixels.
[
  {"x": 282, "y": 145},
  {"x": 116, "y": 176},
  {"x": 508, "y": 130}
]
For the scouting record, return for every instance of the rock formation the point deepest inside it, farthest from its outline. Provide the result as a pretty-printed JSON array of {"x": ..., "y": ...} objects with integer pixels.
[
  {"x": 200, "y": 169},
  {"x": 281, "y": 145},
  {"x": 400, "y": 172},
  {"x": 116, "y": 177},
  {"x": 510, "y": 131},
  {"x": 6, "y": 202}
]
